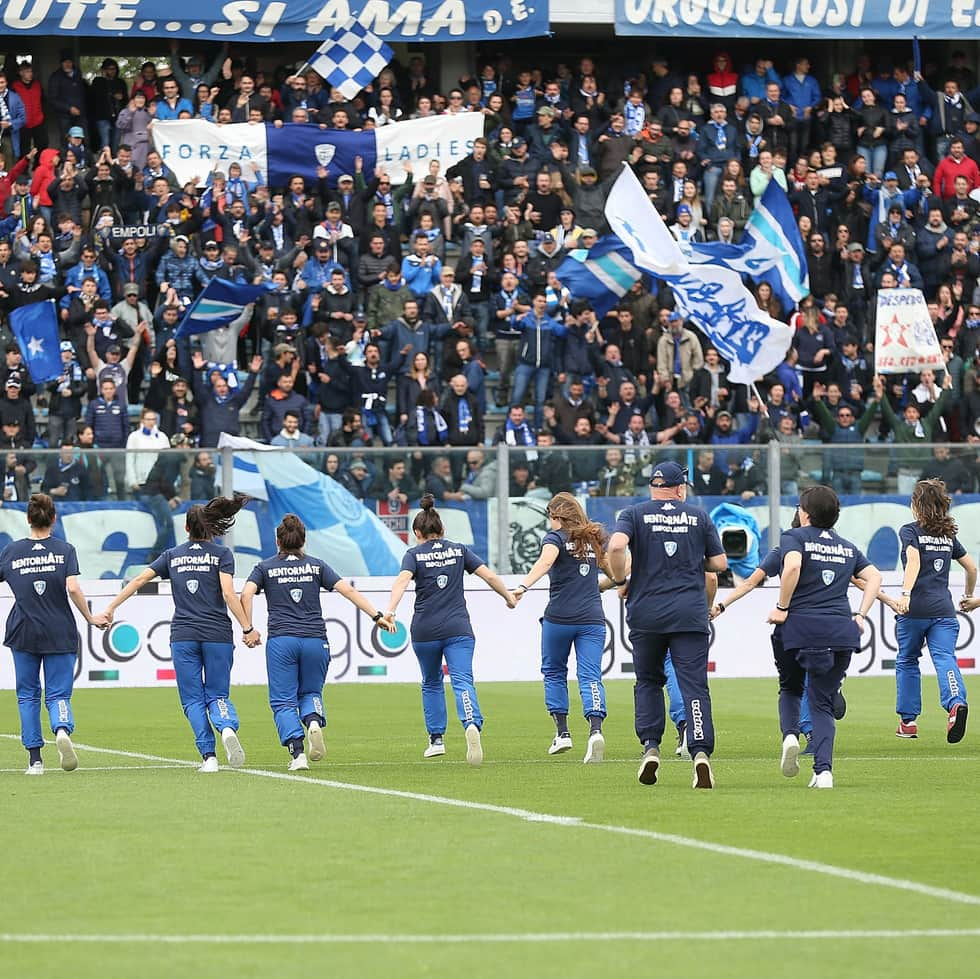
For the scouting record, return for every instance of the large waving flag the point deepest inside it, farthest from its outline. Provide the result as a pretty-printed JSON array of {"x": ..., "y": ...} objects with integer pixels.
[
  {"x": 339, "y": 528},
  {"x": 193, "y": 148},
  {"x": 771, "y": 249},
  {"x": 351, "y": 59},
  {"x": 713, "y": 297},
  {"x": 603, "y": 274},
  {"x": 35, "y": 327},
  {"x": 221, "y": 303}
]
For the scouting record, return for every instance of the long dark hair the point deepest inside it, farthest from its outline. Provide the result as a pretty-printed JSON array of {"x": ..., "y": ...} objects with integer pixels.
[
  {"x": 582, "y": 532},
  {"x": 930, "y": 507},
  {"x": 291, "y": 535},
  {"x": 427, "y": 522},
  {"x": 209, "y": 520}
]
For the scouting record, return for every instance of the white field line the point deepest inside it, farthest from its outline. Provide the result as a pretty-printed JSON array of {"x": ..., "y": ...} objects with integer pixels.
[
  {"x": 105, "y": 768},
  {"x": 495, "y": 939},
  {"x": 761, "y": 856}
]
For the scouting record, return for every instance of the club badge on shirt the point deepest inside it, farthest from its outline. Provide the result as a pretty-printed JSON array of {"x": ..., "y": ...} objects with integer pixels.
[
  {"x": 670, "y": 546},
  {"x": 828, "y": 577},
  {"x": 192, "y": 585}
]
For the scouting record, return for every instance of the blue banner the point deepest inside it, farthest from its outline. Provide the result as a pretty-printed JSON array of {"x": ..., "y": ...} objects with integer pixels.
[
  {"x": 284, "y": 20},
  {"x": 791, "y": 19},
  {"x": 221, "y": 303},
  {"x": 297, "y": 149},
  {"x": 603, "y": 274}
]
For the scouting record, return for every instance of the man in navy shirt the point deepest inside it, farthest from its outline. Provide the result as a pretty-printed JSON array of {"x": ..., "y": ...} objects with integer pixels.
[
  {"x": 672, "y": 543},
  {"x": 820, "y": 633}
]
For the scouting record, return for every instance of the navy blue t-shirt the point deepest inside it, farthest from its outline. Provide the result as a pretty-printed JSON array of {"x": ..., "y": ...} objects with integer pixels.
[
  {"x": 669, "y": 542},
  {"x": 200, "y": 614},
  {"x": 41, "y": 620},
  {"x": 292, "y": 586},
  {"x": 440, "y": 606},
  {"x": 930, "y": 597},
  {"x": 573, "y": 598},
  {"x": 819, "y": 613}
]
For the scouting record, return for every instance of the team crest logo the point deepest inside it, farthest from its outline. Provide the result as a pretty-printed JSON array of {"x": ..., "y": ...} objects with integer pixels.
[
  {"x": 828, "y": 577},
  {"x": 324, "y": 153},
  {"x": 192, "y": 585},
  {"x": 939, "y": 564},
  {"x": 670, "y": 546},
  {"x": 39, "y": 586},
  {"x": 296, "y": 594},
  {"x": 442, "y": 581},
  {"x": 583, "y": 569}
]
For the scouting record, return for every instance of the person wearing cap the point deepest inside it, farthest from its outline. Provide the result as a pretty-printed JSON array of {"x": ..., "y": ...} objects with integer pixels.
[
  {"x": 108, "y": 95},
  {"x": 15, "y": 407},
  {"x": 67, "y": 93},
  {"x": 65, "y": 395},
  {"x": 670, "y": 545},
  {"x": 195, "y": 75},
  {"x": 894, "y": 229},
  {"x": 14, "y": 366},
  {"x": 34, "y": 133}
]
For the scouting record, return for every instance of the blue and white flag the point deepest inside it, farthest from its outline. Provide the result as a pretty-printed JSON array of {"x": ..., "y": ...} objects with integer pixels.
[
  {"x": 603, "y": 274},
  {"x": 771, "y": 249},
  {"x": 220, "y": 303},
  {"x": 36, "y": 328},
  {"x": 339, "y": 528},
  {"x": 195, "y": 148},
  {"x": 351, "y": 59},
  {"x": 714, "y": 298}
]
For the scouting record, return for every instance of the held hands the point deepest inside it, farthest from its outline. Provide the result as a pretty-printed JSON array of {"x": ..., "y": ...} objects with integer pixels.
[
  {"x": 715, "y": 611},
  {"x": 252, "y": 639},
  {"x": 900, "y": 606},
  {"x": 387, "y": 622},
  {"x": 100, "y": 621},
  {"x": 968, "y": 603}
]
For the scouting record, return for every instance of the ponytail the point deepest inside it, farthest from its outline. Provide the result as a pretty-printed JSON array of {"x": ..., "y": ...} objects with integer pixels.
[
  {"x": 209, "y": 520},
  {"x": 427, "y": 522}
]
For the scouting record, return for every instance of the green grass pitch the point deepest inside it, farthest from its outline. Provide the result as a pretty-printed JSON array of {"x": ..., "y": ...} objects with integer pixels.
[{"x": 167, "y": 854}]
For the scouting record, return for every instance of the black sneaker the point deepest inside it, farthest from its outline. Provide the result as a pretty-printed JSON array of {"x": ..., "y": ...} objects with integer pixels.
[{"x": 840, "y": 705}]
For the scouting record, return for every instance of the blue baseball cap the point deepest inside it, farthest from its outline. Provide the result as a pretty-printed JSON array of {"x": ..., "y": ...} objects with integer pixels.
[
  {"x": 890, "y": 175},
  {"x": 668, "y": 474}
]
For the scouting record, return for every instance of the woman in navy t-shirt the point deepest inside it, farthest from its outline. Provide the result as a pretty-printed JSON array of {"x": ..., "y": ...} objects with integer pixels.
[
  {"x": 572, "y": 553},
  {"x": 42, "y": 572},
  {"x": 926, "y": 613},
  {"x": 441, "y": 625},
  {"x": 202, "y": 644},
  {"x": 296, "y": 651}
]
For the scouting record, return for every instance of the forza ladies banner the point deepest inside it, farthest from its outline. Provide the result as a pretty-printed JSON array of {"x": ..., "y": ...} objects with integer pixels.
[{"x": 195, "y": 148}]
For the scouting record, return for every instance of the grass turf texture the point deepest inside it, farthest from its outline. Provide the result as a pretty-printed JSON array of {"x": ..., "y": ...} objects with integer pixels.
[{"x": 170, "y": 852}]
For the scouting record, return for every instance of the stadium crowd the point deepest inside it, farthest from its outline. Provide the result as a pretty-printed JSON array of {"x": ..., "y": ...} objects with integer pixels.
[{"x": 431, "y": 314}]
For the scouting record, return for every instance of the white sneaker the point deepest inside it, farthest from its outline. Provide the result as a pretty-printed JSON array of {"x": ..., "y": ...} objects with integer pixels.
[
  {"x": 317, "y": 748},
  {"x": 561, "y": 744},
  {"x": 209, "y": 766},
  {"x": 233, "y": 748},
  {"x": 436, "y": 747},
  {"x": 596, "y": 750},
  {"x": 37, "y": 768},
  {"x": 474, "y": 749},
  {"x": 299, "y": 763},
  {"x": 703, "y": 776},
  {"x": 647, "y": 773},
  {"x": 823, "y": 780},
  {"x": 66, "y": 751},
  {"x": 789, "y": 764}
]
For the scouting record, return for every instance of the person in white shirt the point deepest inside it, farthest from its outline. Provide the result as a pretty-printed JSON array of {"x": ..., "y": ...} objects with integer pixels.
[{"x": 148, "y": 482}]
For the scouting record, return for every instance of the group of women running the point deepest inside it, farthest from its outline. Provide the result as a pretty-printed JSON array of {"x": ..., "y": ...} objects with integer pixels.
[{"x": 42, "y": 571}]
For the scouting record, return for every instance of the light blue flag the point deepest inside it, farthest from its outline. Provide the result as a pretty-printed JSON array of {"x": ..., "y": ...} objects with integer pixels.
[
  {"x": 713, "y": 298},
  {"x": 220, "y": 303},
  {"x": 603, "y": 274},
  {"x": 771, "y": 249},
  {"x": 340, "y": 529},
  {"x": 36, "y": 328}
]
